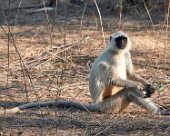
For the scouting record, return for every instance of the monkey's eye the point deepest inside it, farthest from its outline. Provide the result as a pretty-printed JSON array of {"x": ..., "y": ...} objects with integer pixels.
[{"x": 110, "y": 38}]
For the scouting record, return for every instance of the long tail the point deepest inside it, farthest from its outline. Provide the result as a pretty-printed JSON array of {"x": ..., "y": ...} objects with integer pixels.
[{"x": 63, "y": 103}]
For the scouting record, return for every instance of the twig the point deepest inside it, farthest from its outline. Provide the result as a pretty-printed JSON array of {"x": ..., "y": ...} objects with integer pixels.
[
  {"x": 167, "y": 20},
  {"x": 81, "y": 23},
  {"x": 101, "y": 23},
  {"x": 18, "y": 8},
  {"x": 153, "y": 66},
  {"x": 148, "y": 12},
  {"x": 120, "y": 15},
  {"x": 12, "y": 40},
  {"x": 54, "y": 55}
]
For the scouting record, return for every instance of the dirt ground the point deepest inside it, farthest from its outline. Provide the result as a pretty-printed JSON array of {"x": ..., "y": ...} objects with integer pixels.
[{"x": 47, "y": 56}]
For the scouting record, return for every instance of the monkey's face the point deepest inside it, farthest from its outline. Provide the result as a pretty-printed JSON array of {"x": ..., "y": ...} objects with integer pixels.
[{"x": 120, "y": 42}]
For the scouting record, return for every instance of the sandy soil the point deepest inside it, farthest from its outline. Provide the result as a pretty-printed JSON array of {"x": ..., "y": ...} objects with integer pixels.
[{"x": 43, "y": 59}]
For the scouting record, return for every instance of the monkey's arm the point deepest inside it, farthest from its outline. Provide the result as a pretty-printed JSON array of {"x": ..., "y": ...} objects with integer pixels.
[
  {"x": 149, "y": 89},
  {"x": 104, "y": 72},
  {"x": 58, "y": 103},
  {"x": 133, "y": 76},
  {"x": 127, "y": 83},
  {"x": 131, "y": 73}
]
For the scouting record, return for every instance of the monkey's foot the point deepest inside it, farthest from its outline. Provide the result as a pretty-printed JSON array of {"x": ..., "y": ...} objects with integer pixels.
[{"x": 164, "y": 110}]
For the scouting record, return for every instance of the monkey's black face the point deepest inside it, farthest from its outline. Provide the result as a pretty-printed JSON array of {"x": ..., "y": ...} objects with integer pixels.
[{"x": 121, "y": 42}]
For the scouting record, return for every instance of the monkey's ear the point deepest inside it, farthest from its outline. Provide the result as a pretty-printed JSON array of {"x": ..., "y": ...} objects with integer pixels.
[{"x": 110, "y": 38}]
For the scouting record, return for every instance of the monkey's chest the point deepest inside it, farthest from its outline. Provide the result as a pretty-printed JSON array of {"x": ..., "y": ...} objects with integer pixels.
[{"x": 120, "y": 70}]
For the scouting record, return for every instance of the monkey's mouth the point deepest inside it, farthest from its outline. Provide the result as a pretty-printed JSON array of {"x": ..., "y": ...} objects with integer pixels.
[{"x": 121, "y": 47}]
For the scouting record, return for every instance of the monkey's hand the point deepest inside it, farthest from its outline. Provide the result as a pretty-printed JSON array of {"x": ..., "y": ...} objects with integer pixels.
[
  {"x": 140, "y": 86},
  {"x": 149, "y": 90}
]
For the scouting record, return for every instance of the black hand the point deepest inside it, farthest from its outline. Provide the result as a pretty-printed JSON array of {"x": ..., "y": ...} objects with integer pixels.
[{"x": 149, "y": 90}]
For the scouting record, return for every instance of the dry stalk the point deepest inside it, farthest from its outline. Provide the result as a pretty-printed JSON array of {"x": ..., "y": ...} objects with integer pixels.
[
  {"x": 54, "y": 55},
  {"x": 120, "y": 15},
  {"x": 25, "y": 70},
  {"x": 46, "y": 13},
  {"x": 81, "y": 23},
  {"x": 167, "y": 19},
  {"x": 101, "y": 23},
  {"x": 146, "y": 8}
]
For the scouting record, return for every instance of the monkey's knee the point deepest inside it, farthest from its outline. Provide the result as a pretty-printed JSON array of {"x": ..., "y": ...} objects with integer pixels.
[
  {"x": 104, "y": 107},
  {"x": 115, "y": 103},
  {"x": 133, "y": 92},
  {"x": 136, "y": 96}
]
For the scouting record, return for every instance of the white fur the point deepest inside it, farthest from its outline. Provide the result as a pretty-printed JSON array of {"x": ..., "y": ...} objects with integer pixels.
[
  {"x": 103, "y": 70},
  {"x": 113, "y": 65},
  {"x": 112, "y": 43},
  {"x": 121, "y": 71}
]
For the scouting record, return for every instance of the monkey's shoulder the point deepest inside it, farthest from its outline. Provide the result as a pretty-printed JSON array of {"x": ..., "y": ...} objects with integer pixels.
[{"x": 109, "y": 60}]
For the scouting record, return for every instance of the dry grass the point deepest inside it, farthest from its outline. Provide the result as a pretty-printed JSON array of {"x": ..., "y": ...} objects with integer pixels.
[{"x": 55, "y": 64}]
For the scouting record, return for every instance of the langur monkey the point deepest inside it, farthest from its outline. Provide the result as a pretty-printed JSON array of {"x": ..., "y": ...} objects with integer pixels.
[{"x": 113, "y": 83}]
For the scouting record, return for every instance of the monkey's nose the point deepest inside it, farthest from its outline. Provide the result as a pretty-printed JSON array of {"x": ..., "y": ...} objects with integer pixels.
[
  {"x": 110, "y": 38},
  {"x": 124, "y": 41}
]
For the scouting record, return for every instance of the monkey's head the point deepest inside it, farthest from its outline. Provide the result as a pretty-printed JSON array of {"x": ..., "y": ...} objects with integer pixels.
[{"x": 120, "y": 42}]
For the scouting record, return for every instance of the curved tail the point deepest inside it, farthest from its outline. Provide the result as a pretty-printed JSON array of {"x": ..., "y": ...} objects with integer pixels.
[{"x": 63, "y": 103}]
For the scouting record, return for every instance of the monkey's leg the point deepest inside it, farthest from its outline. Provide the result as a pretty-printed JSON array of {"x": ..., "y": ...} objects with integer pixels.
[
  {"x": 136, "y": 96},
  {"x": 115, "y": 103},
  {"x": 121, "y": 100}
]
